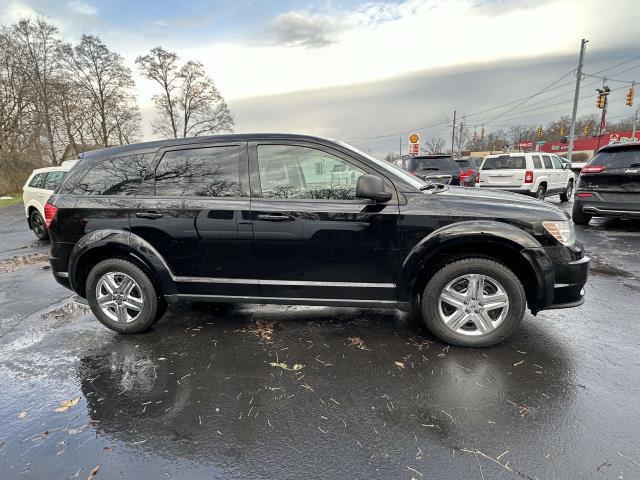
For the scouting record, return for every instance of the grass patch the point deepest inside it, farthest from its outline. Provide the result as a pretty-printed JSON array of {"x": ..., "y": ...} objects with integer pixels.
[{"x": 11, "y": 201}]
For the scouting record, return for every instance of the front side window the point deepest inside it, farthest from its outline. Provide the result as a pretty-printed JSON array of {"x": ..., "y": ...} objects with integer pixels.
[
  {"x": 38, "y": 180},
  {"x": 547, "y": 161},
  {"x": 288, "y": 171},
  {"x": 199, "y": 172},
  {"x": 53, "y": 180},
  {"x": 557, "y": 164},
  {"x": 114, "y": 176}
]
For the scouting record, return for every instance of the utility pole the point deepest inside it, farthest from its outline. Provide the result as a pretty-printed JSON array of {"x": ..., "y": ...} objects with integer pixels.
[
  {"x": 576, "y": 95},
  {"x": 453, "y": 134},
  {"x": 460, "y": 136},
  {"x": 400, "y": 143},
  {"x": 635, "y": 120}
]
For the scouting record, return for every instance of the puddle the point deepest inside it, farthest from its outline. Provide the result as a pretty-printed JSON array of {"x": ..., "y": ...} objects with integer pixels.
[{"x": 598, "y": 266}]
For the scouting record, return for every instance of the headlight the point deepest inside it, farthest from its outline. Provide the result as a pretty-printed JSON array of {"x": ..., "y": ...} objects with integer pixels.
[{"x": 561, "y": 230}]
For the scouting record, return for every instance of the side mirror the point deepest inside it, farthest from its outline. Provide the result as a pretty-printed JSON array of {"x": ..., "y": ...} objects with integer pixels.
[{"x": 372, "y": 187}]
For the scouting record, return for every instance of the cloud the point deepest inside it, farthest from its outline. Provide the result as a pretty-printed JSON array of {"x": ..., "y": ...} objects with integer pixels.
[
  {"x": 183, "y": 22},
  {"x": 82, "y": 8},
  {"x": 302, "y": 29}
]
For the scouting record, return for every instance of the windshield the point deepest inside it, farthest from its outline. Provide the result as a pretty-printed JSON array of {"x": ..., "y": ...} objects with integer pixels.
[
  {"x": 622, "y": 158},
  {"x": 504, "y": 162},
  {"x": 395, "y": 170}
]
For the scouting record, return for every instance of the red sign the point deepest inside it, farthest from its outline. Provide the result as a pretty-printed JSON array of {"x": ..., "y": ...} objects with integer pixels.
[
  {"x": 524, "y": 144},
  {"x": 414, "y": 149},
  {"x": 591, "y": 143}
]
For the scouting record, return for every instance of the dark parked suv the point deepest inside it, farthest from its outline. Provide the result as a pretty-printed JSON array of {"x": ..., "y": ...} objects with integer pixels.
[
  {"x": 291, "y": 219},
  {"x": 609, "y": 185},
  {"x": 439, "y": 168}
]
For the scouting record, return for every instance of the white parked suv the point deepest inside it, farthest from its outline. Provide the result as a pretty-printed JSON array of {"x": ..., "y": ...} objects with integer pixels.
[
  {"x": 35, "y": 193},
  {"x": 538, "y": 174}
]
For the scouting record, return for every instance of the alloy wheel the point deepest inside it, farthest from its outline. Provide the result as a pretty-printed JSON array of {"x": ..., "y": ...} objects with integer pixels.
[
  {"x": 473, "y": 304},
  {"x": 119, "y": 297},
  {"x": 37, "y": 223}
]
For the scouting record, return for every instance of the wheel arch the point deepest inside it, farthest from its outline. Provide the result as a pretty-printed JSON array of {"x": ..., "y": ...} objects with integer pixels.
[
  {"x": 104, "y": 244},
  {"x": 493, "y": 240}
]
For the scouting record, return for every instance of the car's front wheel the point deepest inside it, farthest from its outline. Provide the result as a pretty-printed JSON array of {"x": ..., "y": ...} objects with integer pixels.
[
  {"x": 122, "y": 296},
  {"x": 38, "y": 226},
  {"x": 473, "y": 302}
]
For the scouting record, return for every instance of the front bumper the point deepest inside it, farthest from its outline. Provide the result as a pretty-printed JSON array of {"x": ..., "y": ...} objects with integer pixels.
[{"x": 571, "y": 270}]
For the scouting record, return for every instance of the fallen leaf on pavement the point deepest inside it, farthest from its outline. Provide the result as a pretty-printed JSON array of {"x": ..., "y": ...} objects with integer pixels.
[
  {"x": 22, "y": 414},
  {"x": 399, "y": 364},
  {"x": 261, "y": 329},
  {"x": 284, "y": 366},
  {"x": 66, "y": 405},
  {"x": 356, "y": 342},
  {"x": 93, "y": 472}
]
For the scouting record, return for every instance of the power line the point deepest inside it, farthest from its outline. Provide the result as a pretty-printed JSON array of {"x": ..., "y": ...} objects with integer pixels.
[{"x": 523, "y": 100}]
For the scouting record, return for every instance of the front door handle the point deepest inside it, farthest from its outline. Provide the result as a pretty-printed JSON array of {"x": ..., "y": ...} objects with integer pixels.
[
  {"x": 274, "y": 217},
  {"x": 148, "y": 214}
]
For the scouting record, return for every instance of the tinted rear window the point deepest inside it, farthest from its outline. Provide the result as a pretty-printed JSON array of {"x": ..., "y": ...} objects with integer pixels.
[
  {"x": 442, "y": 163},
  {"x": 464, "y": 163},
  {"x": 617, "y": 158},
  {"x": 113, "y": 176},
  {"x": 505, "y": 162},
  {"x": 199, "y": 172}
]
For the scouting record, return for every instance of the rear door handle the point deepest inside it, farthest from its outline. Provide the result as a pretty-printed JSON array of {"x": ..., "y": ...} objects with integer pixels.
[
  {"x": 148, "y": 214},
  {"x": 274, "y": 217}
]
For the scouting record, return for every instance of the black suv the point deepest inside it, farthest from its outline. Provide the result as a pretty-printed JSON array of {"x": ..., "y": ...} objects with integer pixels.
[
  {"x": 439, "y": 168},
  {"x": 609, "y": 185},
  {"x": 292, "y": 219}
]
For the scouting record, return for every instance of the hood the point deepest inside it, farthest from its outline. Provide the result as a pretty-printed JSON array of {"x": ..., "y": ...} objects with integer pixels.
[{"x": 496, "y": 203}]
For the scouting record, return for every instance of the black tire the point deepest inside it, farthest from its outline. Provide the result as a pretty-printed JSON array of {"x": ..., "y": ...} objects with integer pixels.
[
  {"x": 541, "y": 192},
  {"x": 38, "y": 225},
  {"x": 578, "y": 216},
  {"x": 514, "y": 290},
  {"x": 151, "y": 303},
  {"x": 568, "y": 192}
]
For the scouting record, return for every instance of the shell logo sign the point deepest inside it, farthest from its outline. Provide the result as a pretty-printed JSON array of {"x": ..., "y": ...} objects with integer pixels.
[{"x": 414, "y": 144}]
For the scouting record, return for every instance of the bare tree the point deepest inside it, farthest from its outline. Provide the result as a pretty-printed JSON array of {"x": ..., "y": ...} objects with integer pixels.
[
  {"x": 520, "y": 133},
  {"x": 433, "y": 145},
  {"x": 190, "y": 104},
  {"x": 36, "y": 52},
  {"x": 106, "y": 83}
]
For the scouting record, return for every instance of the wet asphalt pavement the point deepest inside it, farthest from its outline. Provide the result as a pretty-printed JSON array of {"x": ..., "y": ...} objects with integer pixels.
[{"x": 365, "y": 393}]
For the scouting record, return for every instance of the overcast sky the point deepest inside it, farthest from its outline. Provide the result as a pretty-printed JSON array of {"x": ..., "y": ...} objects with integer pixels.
[{"x": 353, "y": 70}]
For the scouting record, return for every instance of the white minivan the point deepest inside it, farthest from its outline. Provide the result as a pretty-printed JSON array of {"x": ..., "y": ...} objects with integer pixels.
[
  {"x": 532, "y": 173},
  {"x": 37, "y": 190}
]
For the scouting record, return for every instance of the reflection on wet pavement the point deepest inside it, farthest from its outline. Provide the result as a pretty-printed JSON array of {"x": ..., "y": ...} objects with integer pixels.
[{"x": 307, "y": 392}]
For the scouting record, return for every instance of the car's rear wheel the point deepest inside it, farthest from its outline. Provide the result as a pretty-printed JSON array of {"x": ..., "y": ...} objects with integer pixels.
[
  {"x": 568, "y": 192},
  {"x": 541, "y": 193},
  {"x": 38, "y": 225},
  {"x": 473, "y": 302},
  {"x": 578, "y": 216},
  {"x": 122, "y": 296}
]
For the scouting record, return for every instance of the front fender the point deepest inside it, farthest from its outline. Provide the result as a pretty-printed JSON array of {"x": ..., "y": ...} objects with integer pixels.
[{"x": 481, "y": 231}]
